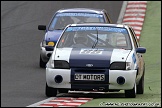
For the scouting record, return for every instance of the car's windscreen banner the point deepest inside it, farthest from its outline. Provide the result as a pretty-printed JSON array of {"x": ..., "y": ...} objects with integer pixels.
[
  {"x": 108, "y": 29},
  {"x": 80, "y": 14}
]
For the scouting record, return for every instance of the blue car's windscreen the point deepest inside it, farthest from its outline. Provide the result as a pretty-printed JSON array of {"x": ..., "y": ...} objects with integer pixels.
[
  {"x": 61, "y": 20},
  {"x": 95, "y": 37}
]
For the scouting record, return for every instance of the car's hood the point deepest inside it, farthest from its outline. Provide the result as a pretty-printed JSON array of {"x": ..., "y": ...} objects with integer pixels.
[
  {"x": 98, "y": 58},
  {"x": 53, "y": 35}
]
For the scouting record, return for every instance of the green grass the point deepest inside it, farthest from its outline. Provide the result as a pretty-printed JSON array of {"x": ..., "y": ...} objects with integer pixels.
[{"x": 151, "y": 40}]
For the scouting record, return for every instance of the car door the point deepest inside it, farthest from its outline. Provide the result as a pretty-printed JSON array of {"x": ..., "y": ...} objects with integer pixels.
[{"x": 139, "y": 55}]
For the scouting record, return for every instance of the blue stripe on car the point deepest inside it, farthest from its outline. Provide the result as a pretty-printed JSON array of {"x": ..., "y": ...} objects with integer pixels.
[
  {"x": 134, "y": 58},
  {"x": 99, "y": 63}
]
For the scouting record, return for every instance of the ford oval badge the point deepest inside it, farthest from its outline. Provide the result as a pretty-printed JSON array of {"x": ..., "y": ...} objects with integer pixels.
[{"x": 89, "y": 65}]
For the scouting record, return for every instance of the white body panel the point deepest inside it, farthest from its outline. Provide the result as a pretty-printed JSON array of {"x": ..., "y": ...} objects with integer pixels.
[
  {"x": 62, "y": 54},
  {"x": 129, "y": 76},
  {"x": 51, "y": 73},
  {"x": 119, "y": 55}
]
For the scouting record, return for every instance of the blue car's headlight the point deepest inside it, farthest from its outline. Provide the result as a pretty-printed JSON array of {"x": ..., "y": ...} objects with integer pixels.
[
  {"x": 60, "y": 64},
  {"x": 50, "y": 43},
  {"x": 118, "y": 66}
]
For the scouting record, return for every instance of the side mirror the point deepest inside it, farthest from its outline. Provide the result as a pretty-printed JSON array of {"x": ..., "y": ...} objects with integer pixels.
[
  {"x": 141, "y": 50},
  {"x": 41, "y": 27}
]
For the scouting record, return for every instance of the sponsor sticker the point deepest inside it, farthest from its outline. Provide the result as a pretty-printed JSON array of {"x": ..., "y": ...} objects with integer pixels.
[
  {"x": 108, "y": 29},
  {"x": 93, "y": 77},
  {"x": 80, "y": 14},
  {"x": 134, "y": 58},
  {"x": 91, "y": 51}
]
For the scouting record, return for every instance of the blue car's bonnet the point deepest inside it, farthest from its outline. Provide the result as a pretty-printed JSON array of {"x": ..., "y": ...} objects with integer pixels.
[{"x": 53, "y": 35}]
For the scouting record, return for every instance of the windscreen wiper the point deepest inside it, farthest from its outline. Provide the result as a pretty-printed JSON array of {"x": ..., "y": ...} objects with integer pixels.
[{"x": 94, "y": 45}]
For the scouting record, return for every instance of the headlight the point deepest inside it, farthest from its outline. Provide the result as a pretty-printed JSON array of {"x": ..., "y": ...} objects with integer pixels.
[
  {"x": 128, "y": 66},
  {"x": 118, "y": 66},
  {"x": 60, "y": 64},
  {"x": 51, "y": 43},
  {"x": 44, "y": 43}
]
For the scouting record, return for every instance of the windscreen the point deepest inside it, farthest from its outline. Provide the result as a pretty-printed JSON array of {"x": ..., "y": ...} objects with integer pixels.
[
  {"x": 61, "y": 20},
  {"x": 95, "y": 37}
]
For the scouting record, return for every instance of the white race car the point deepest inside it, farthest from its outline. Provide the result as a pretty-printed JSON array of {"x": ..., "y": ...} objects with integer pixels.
[
  {"x": 60, "y": 20},
  {"x": 96, "y": 57}
]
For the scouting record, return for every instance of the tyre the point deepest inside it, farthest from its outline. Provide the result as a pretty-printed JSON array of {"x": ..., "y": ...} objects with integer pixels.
[
  {"x": 140, "y": 86},
  {"x": 42, "y": 64},
  {"x": 63, "y": 90},
  {"x": 50, "y": 92},
  {"x": 131, "y": 93}
]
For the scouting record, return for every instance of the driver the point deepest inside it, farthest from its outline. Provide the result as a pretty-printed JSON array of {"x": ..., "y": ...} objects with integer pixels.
[
  {"x": 80, "y": 39},
  {"x": 67, "y": 20}
]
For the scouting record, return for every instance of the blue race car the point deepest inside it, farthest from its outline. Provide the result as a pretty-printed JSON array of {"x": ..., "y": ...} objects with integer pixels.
[
  {"x": 96, "y": 57},
  {"x": 60, "y": 20}
]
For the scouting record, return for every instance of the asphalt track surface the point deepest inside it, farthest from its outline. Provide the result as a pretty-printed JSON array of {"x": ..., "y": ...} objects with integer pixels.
[{"x": 22, "y": 80}]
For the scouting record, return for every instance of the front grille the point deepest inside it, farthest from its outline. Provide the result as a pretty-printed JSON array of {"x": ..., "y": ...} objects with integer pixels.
[
  {"x": 49, "y": 48},
  {"x": 89, "y": 82}
]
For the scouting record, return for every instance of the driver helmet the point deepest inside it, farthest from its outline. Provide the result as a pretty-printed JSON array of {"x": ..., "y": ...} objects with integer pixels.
[
  {"x": 67, "y": 20},
  {"x": 80, "y": 38}
]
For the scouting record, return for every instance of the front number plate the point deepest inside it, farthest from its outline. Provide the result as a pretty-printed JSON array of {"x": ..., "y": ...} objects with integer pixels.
[{"x": 92, "y": 77}]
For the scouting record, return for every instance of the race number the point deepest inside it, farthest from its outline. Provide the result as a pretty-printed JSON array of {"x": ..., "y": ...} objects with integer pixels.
[{"x": 91, "y": 51}]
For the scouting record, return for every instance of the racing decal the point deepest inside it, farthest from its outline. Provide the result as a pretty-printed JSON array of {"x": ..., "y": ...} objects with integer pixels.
[
  {"x": 80, "y": 14},
  {"x": 134, "y": 58},
  {"x": 108, "y": 29},
  {"x": 91, "y": 51},
  {"x": 90, "y": 68},
  {"x": 88, "y": 80},
  {"x": 134, "y": 61},
  {"x": 95, "y": 77}
]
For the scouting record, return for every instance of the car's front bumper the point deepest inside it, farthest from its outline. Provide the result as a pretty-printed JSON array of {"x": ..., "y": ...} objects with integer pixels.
[{"x": 111, "y": 84}]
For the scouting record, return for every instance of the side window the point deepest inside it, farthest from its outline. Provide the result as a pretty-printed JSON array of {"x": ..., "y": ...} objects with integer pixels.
[
  {"x": 93, "y": 20},
  {"x": 133, "y": 37}
]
